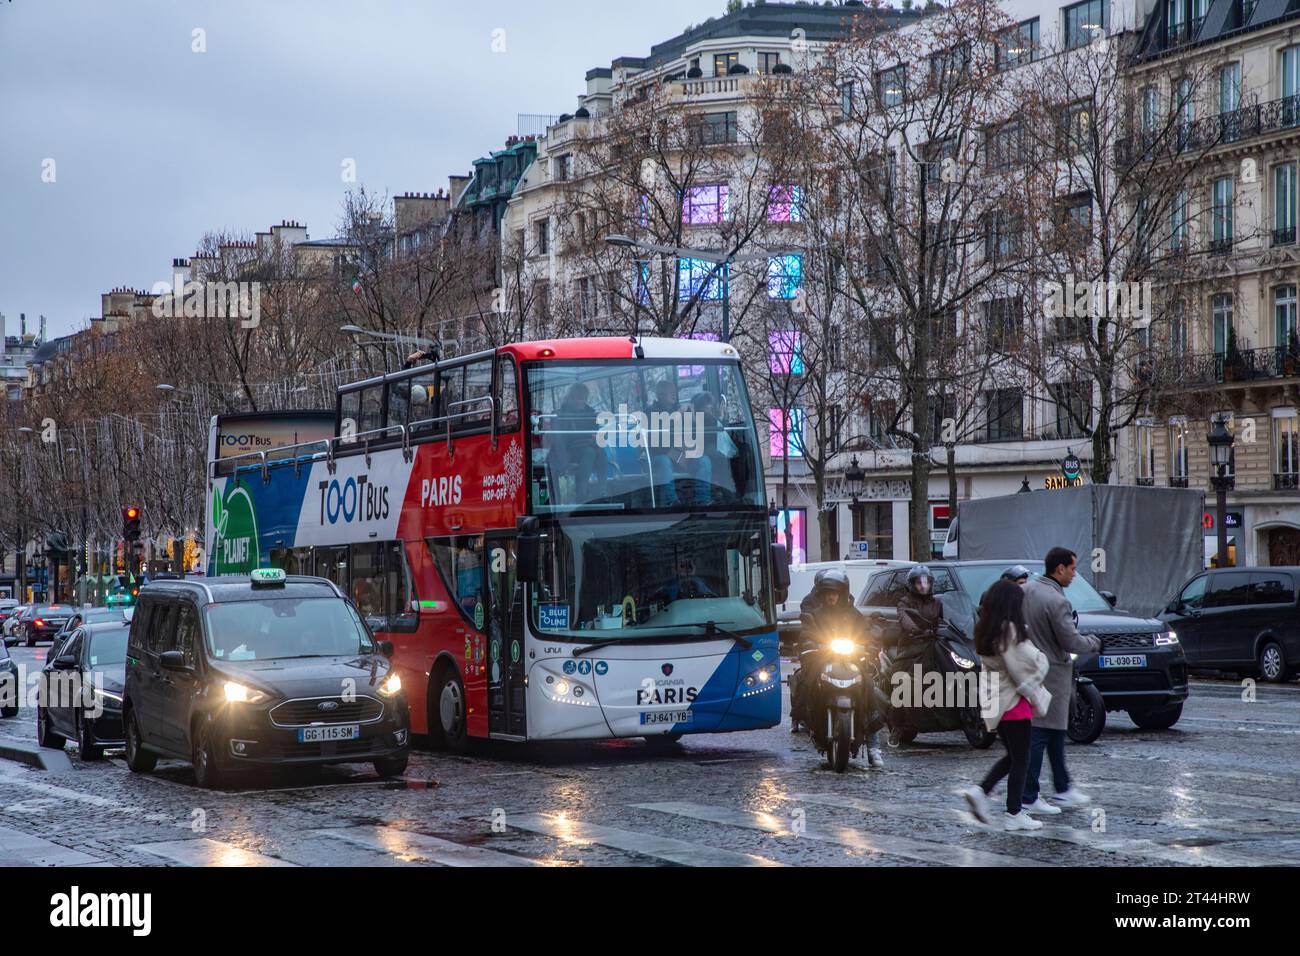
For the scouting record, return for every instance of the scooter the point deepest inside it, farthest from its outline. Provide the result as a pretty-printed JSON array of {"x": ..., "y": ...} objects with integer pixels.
[
  {"x": 945, "y": 664},
  {"x": 1087, "y": 709},
  {"x": 834, "y": 694}
]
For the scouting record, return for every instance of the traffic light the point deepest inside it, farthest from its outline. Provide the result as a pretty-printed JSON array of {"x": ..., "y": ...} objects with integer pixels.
[{"x": 130, "y": 524}]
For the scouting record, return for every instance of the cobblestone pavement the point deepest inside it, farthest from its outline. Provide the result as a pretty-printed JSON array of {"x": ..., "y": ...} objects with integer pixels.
[{"x": 1220, "y": 788}]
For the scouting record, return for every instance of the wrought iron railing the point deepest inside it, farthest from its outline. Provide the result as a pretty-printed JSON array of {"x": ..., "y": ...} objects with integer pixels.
[
  {"x": 1220, "y": 247},
  {"x": 1217, "y": 368},
  {"x": 1177, "y": 481},
  {"x": 1284, "y": 236},
  {"x": 1286, "y": 481},
  {"x": 1232, "y": 126}
]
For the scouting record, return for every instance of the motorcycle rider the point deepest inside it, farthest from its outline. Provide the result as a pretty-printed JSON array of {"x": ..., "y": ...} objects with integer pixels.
[
  {"x": 825, "y": 614},
  {"x": 920, "y": 614}
]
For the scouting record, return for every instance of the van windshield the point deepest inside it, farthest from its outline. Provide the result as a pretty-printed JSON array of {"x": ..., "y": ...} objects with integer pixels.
[{"x": 283, "y": 628}]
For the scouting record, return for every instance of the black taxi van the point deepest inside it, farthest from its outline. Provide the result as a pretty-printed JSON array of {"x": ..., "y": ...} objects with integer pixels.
[{"x": 268, "y": 670}]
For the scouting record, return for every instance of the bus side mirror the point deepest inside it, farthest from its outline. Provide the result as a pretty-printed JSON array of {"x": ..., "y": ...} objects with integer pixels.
[
  {"x": 780, "y": 569},
  {"x": 527, "y": 551}
]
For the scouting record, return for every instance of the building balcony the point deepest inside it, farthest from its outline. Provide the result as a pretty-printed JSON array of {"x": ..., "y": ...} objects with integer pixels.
[
  {"x": 1201, "y": 369},
  {"x": 1220, "y": 247},
  {"x": 1286, "y": 481},
  {"x": 1146, "y": 482},
  {"x": 1177, "y": 481},
  {"x": 1284, "y": 236},
  {"x": 1234, "y": 126}
]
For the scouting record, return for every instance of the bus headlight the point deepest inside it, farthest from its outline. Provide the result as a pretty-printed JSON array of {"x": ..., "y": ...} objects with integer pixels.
[
  {"x": 239, "y": 694},
  {"x": 392, "y": 684}
]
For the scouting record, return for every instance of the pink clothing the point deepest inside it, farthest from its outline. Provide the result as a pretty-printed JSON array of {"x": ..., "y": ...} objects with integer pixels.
[{"x": 1021, "y": 710}]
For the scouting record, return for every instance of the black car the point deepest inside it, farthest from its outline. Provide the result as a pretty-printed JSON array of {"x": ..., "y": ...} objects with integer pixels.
[
  {"x": 1141, "y": 667},
  {"x": 1241, "y": 620},
  {"x": 235, "y": 673},
  {"x": 41, "y": 622},
  {"x": 90, "y": 615},
  {"x": 80, "y": 693},
  {"x": 10, "y": 692}
]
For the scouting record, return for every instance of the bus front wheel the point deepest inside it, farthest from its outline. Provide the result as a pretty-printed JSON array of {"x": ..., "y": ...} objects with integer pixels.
[{"x": 447, "y": 726}]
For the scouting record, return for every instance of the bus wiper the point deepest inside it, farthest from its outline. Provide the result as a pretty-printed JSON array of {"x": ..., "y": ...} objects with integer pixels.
[{"x": 711, "y": 627}]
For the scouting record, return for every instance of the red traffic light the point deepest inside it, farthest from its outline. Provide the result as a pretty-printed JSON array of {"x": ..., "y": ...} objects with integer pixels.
[{"x": 133, "y": 513}]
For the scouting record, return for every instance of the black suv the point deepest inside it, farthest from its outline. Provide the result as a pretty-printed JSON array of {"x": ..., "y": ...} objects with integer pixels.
[
  {"x": 1241, "y": 620},
  {"x": 266, "y": 670},
  {"x": 1141, "y": 667}
]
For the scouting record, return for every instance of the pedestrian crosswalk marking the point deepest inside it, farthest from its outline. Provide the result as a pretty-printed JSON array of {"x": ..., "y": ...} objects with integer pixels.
[
  {"x": 661, "y": 848},
  {"x": 206, "y": 852},
  {"x": 419, "y": 847},
  {"x": 1052, "y": 830},
  {"x": 876, "y": 843}
]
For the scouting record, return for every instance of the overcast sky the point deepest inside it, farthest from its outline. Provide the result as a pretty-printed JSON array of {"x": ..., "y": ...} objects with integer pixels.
[{"x": 154, "y": 144}]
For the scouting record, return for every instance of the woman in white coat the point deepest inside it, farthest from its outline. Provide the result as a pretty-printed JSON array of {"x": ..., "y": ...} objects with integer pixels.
[{"x": 1014, "y": 694}]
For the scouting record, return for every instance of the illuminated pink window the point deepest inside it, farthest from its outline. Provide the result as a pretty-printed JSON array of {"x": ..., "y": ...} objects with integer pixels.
[
  {"x": 784, "y": 354},
  {"x": 785, "y": 435},
  {"x": 706, "y": 205},
  {"x": 785, "y": 204}
]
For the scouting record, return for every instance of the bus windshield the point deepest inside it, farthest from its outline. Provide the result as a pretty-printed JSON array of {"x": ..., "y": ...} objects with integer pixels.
[
  {"x": 642, "y": 435},
  {"x": 623, "y": 578}
]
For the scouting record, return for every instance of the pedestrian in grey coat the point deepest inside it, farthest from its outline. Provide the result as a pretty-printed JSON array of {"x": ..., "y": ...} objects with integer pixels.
[{"x": 1050, "y": 620}]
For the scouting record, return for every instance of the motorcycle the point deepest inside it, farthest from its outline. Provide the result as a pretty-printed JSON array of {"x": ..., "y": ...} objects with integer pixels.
[
  {"x": 1087, "y": 709},
  {"x": 833, "y": 693},
  {"x": 950, "y": 654}
]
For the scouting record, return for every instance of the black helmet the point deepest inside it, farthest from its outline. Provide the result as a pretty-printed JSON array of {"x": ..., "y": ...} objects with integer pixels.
[
  {"x": 1017, "y": 572},
  {"x": 831, "y": 579},
  {"x": 916, "y": 576}
]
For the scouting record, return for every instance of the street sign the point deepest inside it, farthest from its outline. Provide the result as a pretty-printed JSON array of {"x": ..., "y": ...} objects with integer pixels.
[{"x": 861, "y": 548}]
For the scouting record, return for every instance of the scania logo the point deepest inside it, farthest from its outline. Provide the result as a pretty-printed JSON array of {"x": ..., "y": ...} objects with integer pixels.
[
  {"x": 328, "y": 705},
  {"x": 667, "y": 669}
]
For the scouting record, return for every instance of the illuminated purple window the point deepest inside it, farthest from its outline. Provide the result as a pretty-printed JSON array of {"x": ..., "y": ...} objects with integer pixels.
[
  {"x": 695, "y": 371},
  {"x": 784, "y": 352},
  {"x": 785, "y": 204},
  {"x": 706, "y": 205},
  {"x": 785, "y": 439}
]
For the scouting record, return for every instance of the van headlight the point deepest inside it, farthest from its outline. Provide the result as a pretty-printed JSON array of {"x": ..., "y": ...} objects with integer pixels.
[
  {"x": 1165, "y": 638},
  {"x": 239, "y": 694},
  {"x": 391, "y": 685}
]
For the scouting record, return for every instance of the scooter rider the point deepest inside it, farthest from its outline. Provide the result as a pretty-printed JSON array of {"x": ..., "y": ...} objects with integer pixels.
[
  {"x": 920, "y": 614},
  {"x": 830, "y": 614}
]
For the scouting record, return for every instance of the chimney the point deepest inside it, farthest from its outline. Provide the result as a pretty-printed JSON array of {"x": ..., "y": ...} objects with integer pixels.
[
  {"x": 458, "y": 185},
  {"x": 22, "y": 324},
  {"x": 42, "y": 328}
]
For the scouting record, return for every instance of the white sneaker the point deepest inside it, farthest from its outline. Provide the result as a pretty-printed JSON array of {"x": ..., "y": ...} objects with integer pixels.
[
  {"x": 875, "y": 758},
  {"x": 1073, "y": 798},
  {"x": 978, "y": 802},
  {"x": 1042, "y": 806},
  {"x": 1020, "y": 821}
]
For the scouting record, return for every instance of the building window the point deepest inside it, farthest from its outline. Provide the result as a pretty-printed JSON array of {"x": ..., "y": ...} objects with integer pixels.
[
  {"x": 766, "y": 61},
  {"x": 1145, "y": 436},
  {"x": 1178, "y": 222},
  {"x": 643, "y": 282},
  {"x": 948, "y": 67},
  {"x": 935, "y": 154},
  {"x": 1178, "y": 452},
  {"x": 1004, "y": 322},
  {"x": 1073, "y": 401},
  {"x": 1002, "y": 235},
  {"x": 1223, "y": 202},
  {"x": 846, "y": 100},
  {"x": 785, "y": 433},
  {"x": 880, "y": 419},
  {"x": 1284, "y": 315},
  {"x": 1177, "y": 329},
  {"x": 785, "y": 352},
  {"x": 784, "y": 204},
  {"x": 784, "y": 276},
  {"x": 1084, "y": 21},
  {"x": 1229, "y": 88},
  {"x": 1005, "y": 414},
  {"x": 542, "y": 237},
  {"x": 1076, "y": 216},
  {"x": 891, "y": 86},
  {"x": 1076, "y": 127},
  {"x": 712, "y": 129},
  {"x": 1284, "y": 204},
  {"x": 1289, "y": 89},
  {"x": 1150, "y": 110},
  {"x": 1003, "y": 146},
  {"x": 563, "y": 168},
  {"x": 706, "y": 205},
  {"x": 1286, "y": 448},
  {"x": 1017, "y": 45},
  {"x": 792, "y": 528},
  {"x": 696, "y": 277},
  {"x": 1221, "y": 321},
  {"x": 723, "y": 62}
]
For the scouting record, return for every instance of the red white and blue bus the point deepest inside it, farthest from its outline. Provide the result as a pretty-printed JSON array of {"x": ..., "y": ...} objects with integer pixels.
[{"x": 562, "y": 540}]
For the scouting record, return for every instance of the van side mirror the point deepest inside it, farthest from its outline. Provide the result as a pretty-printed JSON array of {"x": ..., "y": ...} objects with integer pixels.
[
  {"x": 528, "y": 548},
  {"x": 1110, "y": 597},
  {"x": 385, "y": 648},
  {"x": 65, "y": 662},
  {"x": 172, "y": 661}
]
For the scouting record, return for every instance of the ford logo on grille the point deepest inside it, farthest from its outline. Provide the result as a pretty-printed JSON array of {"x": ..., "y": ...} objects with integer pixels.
[{"x": 328, "y": 705}]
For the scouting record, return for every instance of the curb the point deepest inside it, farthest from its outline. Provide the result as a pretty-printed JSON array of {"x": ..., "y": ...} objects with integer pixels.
[{"x": 42, "y": 758}]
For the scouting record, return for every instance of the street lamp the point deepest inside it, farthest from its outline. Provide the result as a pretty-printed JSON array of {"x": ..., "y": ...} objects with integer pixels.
[
  {"x": 854, "y": 479},
  {"x": 1221, "y": 442},
  {"x": 723, "y": 261}
]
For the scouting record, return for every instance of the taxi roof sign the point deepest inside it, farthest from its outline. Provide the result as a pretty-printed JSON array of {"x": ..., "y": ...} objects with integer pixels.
[{"x": 267, "y": 577}]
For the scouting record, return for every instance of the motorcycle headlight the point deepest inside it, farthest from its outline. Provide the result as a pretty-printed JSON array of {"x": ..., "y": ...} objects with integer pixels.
[
  {"x": 962, "y": 662},
  {"x": 1074, "y": 657},
  {"x": 843, "y": 646},
  {"x": 1166, "y": 638},
  {"x": 239, "y": 694},
  {"x": 391, "y": 685}
]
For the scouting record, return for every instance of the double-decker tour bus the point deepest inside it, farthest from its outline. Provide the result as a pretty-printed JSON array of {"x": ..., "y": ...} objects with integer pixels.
[{"x": 562, "y": 540}]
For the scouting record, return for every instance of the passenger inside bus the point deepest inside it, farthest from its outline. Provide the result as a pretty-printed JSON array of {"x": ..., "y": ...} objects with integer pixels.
[
  {"x": 576, "y": 461},
  {"x": 686, "y": 584}
]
